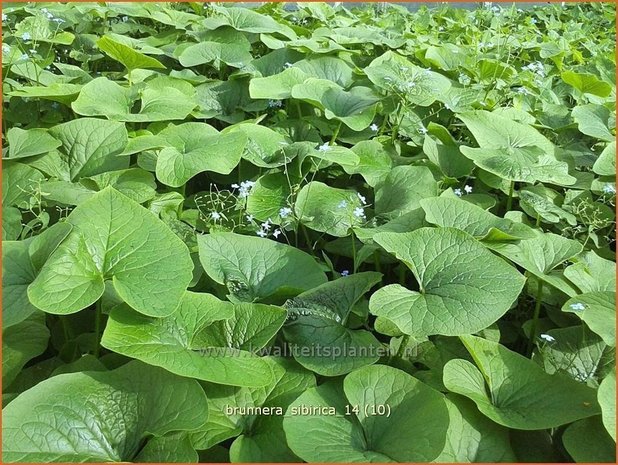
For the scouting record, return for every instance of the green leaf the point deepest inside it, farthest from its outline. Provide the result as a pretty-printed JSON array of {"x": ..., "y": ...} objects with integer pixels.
[
  {"x": 11, "y": 223},
  {"x": 587, "y": 441},
  {"x": 514, "y": 391},
  {"x": 90, "y": 146},
  {"x": 264, "y": 146},
  {"x": 513, "y": 150},
  {"x": 587, "y": 83},
  {"x": 591, "y": 273},
  {"x": 317, "y": 321},
  {"x": 416, "y": 411},
  {"x": 594, "y": 121},
  {"x": 598, "y": 311},
  {"x": 457, "y": 213},
  {"x": 395, "y": 74},
  {"x": 403, "y": 189},
  {"x": 541, "y": 255},
  {"x": 328, "y": 209},
  {"x": 463, "y": 287},
  {"x": 268, "y": 196},
  {"x": 607, "y": 400},
  {"x": 20, "y": 182},
  {"x": 472, "y": 437},
  {"x": 171, "y": 448},
  {"x": 17, "y": 274},
  {"x": 142, "y": 400},
  {"x": 260, "y": 437},
  {"x": 31, "y": 142},
  {"x": 149, "y": 271},
  {"x": 205, "y": 338},
  {"x": 137, "y": 184},
  {"x": 605, "y": 165},
  {"x": 21, "y": 343},
  {"x": 199, "y": 151},
  {"x": 576, "y": 351},
  {"x": 257, "y": 269},
  {"x": 327, "y": 67},
  {"x": 162, "y": 99},
  {"x": 278, "y": 86},
  {"x": 374, "y": 163},
  {"x": 220, "y": 46},
  {"x": 129, "y": 57}
]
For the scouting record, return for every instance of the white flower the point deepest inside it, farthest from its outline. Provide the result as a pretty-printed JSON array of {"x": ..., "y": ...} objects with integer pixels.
[
  {"x": 522, "y": 90},
  {"x": 325, "y": 147},
  {"x": 234, "y": 186},
  {"x": 362, "y": 198},
  {"x": 285, "y": 211},
  {"x": 276, "y": 233},
  {"x": 345, "y": 273},
  {"x": 374, "y": 127},
  {"x": 4, "y": 17},
  {"x": 215, "y": 216},
  {"x": 533, "y": 20},
  {"x": 440, "y": 29},
  {"x": 609, "y": 189},
  {"x": 249, "y": 218},
  {"x": 6, "y": 48},
  {"x": 275, "y": 103},
  {"x": 359, "y": 212},
  {"x": 26, "y": 36},
  {"x": 58, "y": 20},
  {"x": 342, "y": 204},
  {"x": 547, "y": 337},
  {"x": 287, "y": 65},
  {"x": 261, "y": 233},
  {"x": 468, "y": 189},
  {"x": 23, "y": 57},
  {"x": 463, "y": 79},
  {"x": 577, "y": 306},
  {"x": 457, "y": 192},
  {"x": 245, "y": 188},
  {"x": 422, "y": 130}
]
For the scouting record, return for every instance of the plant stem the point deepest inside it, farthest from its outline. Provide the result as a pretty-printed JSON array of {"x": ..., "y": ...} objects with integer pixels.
[
  {"x": 353, "y": 252},
  {"x": 335, "y": 134},
  {"x": 535, "y": 317},
  {"x": 307, "y": 240},
  {"x": 402, "y": 346},
  {"x": 402, "y": 274},
  {"x": 509, "y": 201},
  {"x": 97, "y": 326}
]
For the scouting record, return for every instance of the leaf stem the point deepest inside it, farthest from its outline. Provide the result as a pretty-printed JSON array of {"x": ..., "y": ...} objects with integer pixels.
[
  {"x": 335, "y": 134},
  {"x": 402, "y": 345},
  {"x": 353, "y": 252},
  {"x": 509, "y": 202},
  {"x": 97, "y": 326},
  {"x": 535, "y": 317}
]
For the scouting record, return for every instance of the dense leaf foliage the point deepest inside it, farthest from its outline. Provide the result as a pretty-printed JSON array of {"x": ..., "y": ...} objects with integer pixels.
[{"x": 294, "y": 233}]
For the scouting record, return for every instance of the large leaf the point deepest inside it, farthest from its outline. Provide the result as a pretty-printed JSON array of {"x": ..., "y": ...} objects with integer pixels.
[
  {"x": 141, "y": 400},
  {"x": 463, "y": 288},
  {"x": 541, "y": 255},
  {"x": 587, "y": 441},
  {"x": 595, "y": 121},
  {"x": 317, "y": 321},
  {"x": 587, "y": 83},
  {"x": 607, "y": 400},
  {"x": 278, "y": 86},
  {"x": 27, "y": 143},
  {"x": 191, "y": 343},
  {"x": 257, "y": 269},
  {"x": 130, "y": 58},
  {"x": 513, "y": 150},
  {"x": 328, "y": 209},
  {"x": 196, "y": 148},
  {"x": 396, "y": 74},
  {"x": 114, "y": 239},
  {"x": 20, "y": 343},
  {"x": 161, "y": 99},
  {"x": 472, "y": 437},
  {"x": 415, "y": 430},
  {"x": 90, "y": 146},
  {"x": 457, "y": 213},
  {"x": 591, "y": 273},
  {"x": 260, "y": 437},
  {"x": 514, "y": 391},
  {"x": 223, "y": 45},
  {"x": 598, "y": 311},
  {"x": 403, "y": 189}
]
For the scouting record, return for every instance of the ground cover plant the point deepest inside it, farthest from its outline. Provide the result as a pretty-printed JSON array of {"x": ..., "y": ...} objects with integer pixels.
[{"x": 310, "y": 233}]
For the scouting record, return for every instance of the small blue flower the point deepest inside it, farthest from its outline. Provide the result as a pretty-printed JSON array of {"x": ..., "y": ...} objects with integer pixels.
[
  {"x": 26, "y": 36},
  {"x": 345, "y": 273},
  {"x": 578, "y": 306}
]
